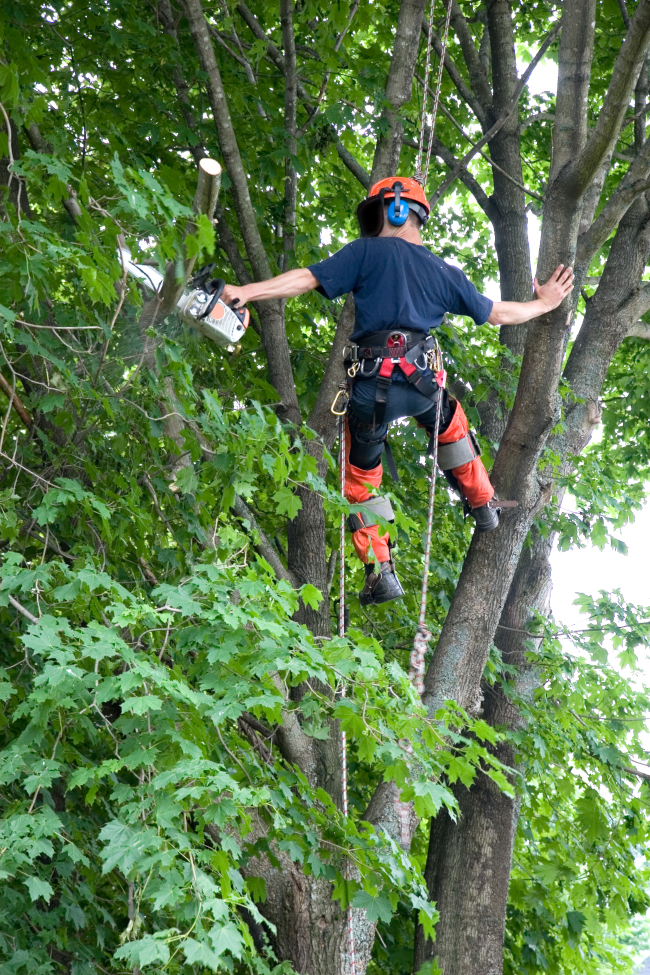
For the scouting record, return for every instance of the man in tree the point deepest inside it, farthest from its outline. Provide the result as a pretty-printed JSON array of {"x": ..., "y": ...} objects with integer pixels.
[{"x": 401, "y": 292}]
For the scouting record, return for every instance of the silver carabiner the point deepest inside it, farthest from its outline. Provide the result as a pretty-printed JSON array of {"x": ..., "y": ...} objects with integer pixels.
[
  {"x": 375, "y": 369},
  {"x": 425, "y": 362}
]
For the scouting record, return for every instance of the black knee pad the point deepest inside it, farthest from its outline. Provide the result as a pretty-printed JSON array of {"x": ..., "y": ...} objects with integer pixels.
[{"x": 367, "y": 443}]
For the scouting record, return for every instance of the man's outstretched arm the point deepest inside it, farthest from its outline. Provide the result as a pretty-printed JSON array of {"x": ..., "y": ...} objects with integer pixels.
[
  {"x": 549, "y": 296},
  {"x": 287, "y": 285}
]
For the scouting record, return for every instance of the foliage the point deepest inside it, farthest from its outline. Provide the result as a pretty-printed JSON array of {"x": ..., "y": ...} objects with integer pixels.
[{"x": 140, "y": 624}]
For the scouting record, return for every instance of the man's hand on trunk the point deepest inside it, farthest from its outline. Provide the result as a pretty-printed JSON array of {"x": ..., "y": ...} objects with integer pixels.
[
  {"x": 549, "y": 296},
  {"x": 558, "y": 286}
]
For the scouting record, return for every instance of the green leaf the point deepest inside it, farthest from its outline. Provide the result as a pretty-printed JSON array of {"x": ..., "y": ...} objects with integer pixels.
[
  {"x": 287, "y": 503},
  {"x": 187, "y": 480},
  {"x": 311, "y": 596},
  {"x": 377, "y": 908},
  {"x": 39, "y": 888},
  {"x": 146, "y": 951},
  {"x": 199, "y": 953},
  {"x": 226, "y": 937}
]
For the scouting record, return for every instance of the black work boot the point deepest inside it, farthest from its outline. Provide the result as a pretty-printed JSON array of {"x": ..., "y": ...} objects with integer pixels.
[
  {"x": 380, "y": 587},
  {"x": 486, "y": 517}
]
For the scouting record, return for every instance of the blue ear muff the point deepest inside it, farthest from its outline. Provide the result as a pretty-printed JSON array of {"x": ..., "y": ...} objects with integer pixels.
[
  {"x": 398, "y": 210},
  {"x": 398, "y": 217}
]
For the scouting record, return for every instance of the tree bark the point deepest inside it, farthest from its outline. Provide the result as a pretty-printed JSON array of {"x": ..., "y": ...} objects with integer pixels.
[
  {"x": 398, "y": 88},
  {"x": 468, "y": 864}
]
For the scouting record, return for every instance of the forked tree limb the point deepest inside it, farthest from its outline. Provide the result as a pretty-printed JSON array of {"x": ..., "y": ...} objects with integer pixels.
[
  {"x": 619, "y": 94},
  {"x": 477, "y": 75},
  {"x": 503, "y": 118}
]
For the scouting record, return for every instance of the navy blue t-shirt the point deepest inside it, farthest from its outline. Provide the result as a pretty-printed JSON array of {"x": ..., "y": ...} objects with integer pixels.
[{"x": 398, "y": 284}]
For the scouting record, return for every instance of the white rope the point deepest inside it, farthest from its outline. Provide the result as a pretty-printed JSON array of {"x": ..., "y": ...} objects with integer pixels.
[
  {"x": 421, "y": 174},
  {"x": 344, "y": 748},
  {"x": 427, "y": 70},
  {"x": 422, "y": 634}
]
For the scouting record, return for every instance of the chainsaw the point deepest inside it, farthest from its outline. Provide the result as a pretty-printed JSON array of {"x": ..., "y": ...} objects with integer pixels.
[{"x": 200, "y": 306}]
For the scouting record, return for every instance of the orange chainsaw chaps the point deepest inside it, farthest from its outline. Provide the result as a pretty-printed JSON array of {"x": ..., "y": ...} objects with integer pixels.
[
  {"x": 472, "y": 477},
  {"x": 368, "y": 543}
]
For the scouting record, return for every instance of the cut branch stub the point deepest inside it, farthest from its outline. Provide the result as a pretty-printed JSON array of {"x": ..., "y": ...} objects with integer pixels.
[{"x": 207, "y": 187}]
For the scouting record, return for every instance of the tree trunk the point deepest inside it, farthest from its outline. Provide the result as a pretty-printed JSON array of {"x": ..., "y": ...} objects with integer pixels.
[{"x": 468, "y": 864}]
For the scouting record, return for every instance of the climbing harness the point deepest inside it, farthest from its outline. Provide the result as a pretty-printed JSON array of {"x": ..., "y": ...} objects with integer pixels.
[
  {"x": 420, "y": 173},
  {"x": 408, "y": 350}
]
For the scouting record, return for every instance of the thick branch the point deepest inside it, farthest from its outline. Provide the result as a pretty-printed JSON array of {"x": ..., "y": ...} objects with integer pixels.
[
  {"x": 291, "y": 142},
  {"x": 640, "y": 330},
  {"x": 462, "y": 88},
  {"x": 477, "y": 76},
  {"x": 504, "y": 61},
  {"x": 227, "y": 140},
  {"x": 227, "y": 242},
  {"x": 355, "y": 168},
  {"x": 294, "y": 745},
  {"x": 624, "y": 76},
  {"x": 632, "y": 185},
  {"x": 398, "y": 87}
]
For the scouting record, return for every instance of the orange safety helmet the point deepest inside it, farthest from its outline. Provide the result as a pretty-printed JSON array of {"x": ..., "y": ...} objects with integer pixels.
[{"x": 405, "y": 193}]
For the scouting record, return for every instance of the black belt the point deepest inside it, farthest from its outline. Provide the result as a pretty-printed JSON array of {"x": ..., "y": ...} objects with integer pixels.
[{"x": 398, "y": 347}]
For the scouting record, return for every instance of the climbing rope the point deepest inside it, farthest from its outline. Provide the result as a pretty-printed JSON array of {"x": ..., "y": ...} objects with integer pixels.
[
  {"x": 344, "y": 748},
  {"x": 420, "y": 173},
  {"x": 423, "y": 634}
]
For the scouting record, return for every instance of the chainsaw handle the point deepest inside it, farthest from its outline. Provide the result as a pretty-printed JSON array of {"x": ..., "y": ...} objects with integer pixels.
[{"x": 216, "y": 287}]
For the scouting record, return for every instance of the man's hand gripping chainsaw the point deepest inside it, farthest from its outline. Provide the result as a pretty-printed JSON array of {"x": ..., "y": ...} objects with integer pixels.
[{"x": 201, "y": 305}]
